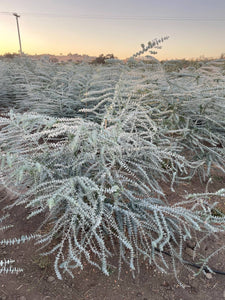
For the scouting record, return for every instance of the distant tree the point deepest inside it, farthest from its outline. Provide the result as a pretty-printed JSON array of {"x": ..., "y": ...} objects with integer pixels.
[
  {"x": 102, "y": 58},
  {"x": 54, "y": 60},
  {"x": 10, "y": 55}
]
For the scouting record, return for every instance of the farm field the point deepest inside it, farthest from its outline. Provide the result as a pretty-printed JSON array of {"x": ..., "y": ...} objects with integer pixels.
[{"x": 112, "y": 168}]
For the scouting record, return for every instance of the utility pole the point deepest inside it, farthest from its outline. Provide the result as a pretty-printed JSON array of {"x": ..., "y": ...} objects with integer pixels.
[{"x": 18, "y": 29}]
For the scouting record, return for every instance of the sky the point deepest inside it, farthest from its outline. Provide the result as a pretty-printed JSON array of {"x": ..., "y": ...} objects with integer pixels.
[{"x": 196, "y": 27}]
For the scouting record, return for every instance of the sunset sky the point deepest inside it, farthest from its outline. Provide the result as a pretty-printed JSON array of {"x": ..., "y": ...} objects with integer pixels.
[{"x": 196, "y": 27}]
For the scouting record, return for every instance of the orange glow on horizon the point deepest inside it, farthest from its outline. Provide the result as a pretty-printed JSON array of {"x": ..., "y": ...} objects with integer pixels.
[
  {"x": 94, "y": 42},
  {"x": 13, "y": 47},
  {"x": 195, "y": 28}
]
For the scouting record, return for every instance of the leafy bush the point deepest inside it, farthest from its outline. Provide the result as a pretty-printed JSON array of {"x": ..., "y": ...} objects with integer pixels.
[
  {"x": 92, "y": 155},
  {"x": 6, "y": 265}
]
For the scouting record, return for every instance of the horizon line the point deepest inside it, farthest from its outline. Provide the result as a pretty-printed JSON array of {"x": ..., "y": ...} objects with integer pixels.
[{"x": 201, "y": 57}]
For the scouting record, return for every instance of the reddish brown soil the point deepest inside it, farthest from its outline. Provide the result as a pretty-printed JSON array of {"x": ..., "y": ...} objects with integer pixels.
[{"x": 39, "y": 282}]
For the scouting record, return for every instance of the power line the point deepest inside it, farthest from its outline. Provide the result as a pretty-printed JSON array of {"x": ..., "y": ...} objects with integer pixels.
[
  {"x": 6, "y": 13},
  {"x": 125, "y": 18}
]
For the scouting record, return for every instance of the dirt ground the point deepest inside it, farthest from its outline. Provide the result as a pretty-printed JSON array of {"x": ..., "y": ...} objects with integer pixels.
[{"x": 39, "y": 282}]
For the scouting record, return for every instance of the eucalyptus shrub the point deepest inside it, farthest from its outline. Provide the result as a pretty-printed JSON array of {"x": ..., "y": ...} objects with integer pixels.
[
  {"x": 6, "y": 264},
  {"x": 95, "y": 148}
]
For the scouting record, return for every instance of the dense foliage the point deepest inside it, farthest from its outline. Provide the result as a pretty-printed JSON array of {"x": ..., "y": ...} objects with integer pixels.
[{"x": 90, "y": 144}]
